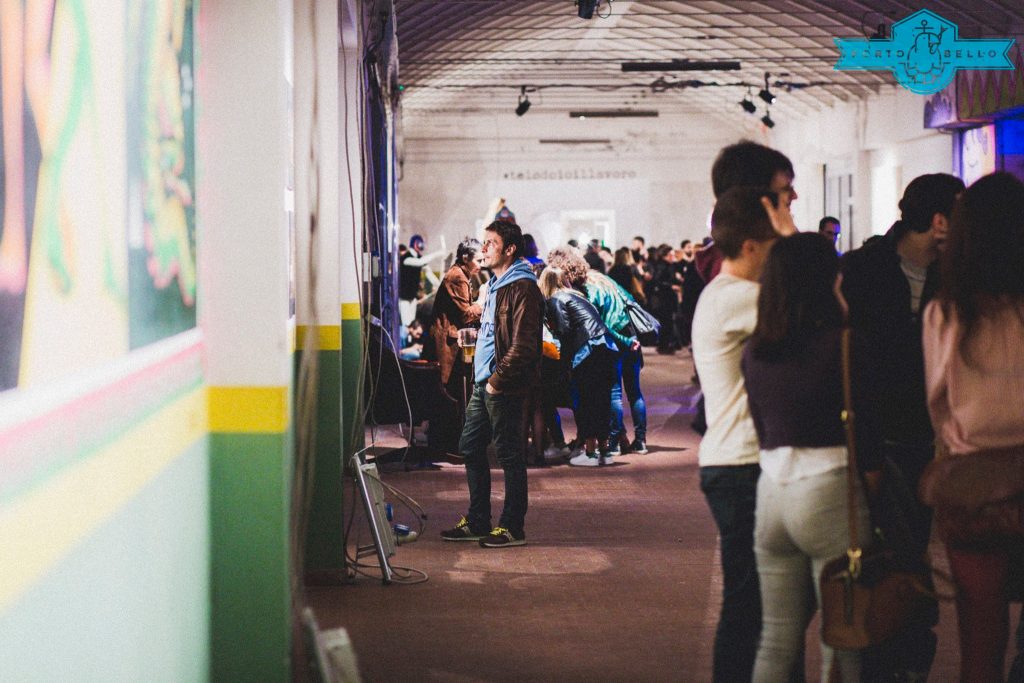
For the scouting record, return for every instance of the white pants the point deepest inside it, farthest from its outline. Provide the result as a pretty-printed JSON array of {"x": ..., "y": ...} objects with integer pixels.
[
  {"x": 800, "y": 526},
  {"x": 407, "y": 310}
]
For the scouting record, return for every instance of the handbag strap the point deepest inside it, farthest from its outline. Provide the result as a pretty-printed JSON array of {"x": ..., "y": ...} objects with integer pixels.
[{"x": 854, "y": 551}]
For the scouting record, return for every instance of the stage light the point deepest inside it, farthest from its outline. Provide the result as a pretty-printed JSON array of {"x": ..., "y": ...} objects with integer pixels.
[
  {"x": 765, "y": 93},
  {"x": 747, "y": 103},
  {"x": 524, "y": 102},
  {"x": 585, "y": 8},
  {"x": 767, "y": 120}
]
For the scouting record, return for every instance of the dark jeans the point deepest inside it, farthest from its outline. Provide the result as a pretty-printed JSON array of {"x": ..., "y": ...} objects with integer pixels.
[
  {"x": 592, "y": 407},
  {"x": 731, "y": 493},
  {"x": 498, "y": 417},
  {"x": 627, "y": 377},
  {"x": 912, "y": 649}
]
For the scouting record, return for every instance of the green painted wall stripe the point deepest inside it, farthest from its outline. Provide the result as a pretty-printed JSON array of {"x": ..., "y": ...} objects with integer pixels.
[
  {"x": 250, "y": 477},
  {"x": 352, "y": 399},
  {"x": 325, "y": 549}
]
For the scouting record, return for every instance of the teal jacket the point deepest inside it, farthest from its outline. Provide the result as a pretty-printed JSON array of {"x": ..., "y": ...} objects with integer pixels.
[{"x": 610, "y": 300}]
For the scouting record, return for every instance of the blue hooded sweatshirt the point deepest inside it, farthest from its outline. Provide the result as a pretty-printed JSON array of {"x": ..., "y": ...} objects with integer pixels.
[{"x": 484, "y": 362}]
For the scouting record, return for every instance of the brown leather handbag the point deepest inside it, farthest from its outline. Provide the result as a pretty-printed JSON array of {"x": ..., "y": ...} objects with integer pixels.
[
  {"x": 978, "y": 497},
  {"x": 867, "y": 594}
]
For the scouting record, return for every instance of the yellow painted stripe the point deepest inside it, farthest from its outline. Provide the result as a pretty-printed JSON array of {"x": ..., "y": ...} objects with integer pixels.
[
  {"x": 291, "y": 339},
  {"x": 248, "y": 410},
  {"x": 40, "y": 528},
  {"x": 350, "y": 312},
  {"x": 328, "y": 336}
]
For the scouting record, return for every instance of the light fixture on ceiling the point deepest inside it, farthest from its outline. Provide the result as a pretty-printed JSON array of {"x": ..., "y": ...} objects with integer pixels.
[
  {"x": 767, "y": 119},
  {"x": 585, "y": 8},
  {"x": 682, "y": 65},
  {"x": 614, "y": 114},
  {"x": 524, "y": 102},
  {"x": 748, "y": 104},
  {"x": 765, "y": 93}
]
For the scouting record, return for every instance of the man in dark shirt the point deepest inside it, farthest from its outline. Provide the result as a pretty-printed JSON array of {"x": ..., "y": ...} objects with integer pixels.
[
  {"x": 593, "y": 256},
  {"x": 887, "y": 285},
  {"x": 413, "y": 265}
]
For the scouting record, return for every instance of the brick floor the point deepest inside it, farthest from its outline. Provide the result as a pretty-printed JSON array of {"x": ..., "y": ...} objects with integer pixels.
[{"x": 619, "y": 582}]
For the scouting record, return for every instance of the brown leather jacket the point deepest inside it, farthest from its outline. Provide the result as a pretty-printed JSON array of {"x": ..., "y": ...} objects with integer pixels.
[
  {"x": 453, "y": 310},
  {"x": 518, "y": 316}
]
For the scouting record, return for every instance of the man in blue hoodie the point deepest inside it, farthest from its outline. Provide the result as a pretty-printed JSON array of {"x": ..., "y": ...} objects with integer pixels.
[{"x": 506, "y": 367}]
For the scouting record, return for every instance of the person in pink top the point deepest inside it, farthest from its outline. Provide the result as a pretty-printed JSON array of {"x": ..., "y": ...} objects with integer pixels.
[{"x": 973, "y": 335}]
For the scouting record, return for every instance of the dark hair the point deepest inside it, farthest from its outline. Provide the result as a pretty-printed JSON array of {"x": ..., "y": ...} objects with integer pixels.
[
  {"x": 739, "y": 216},
  {"x": 663, "y": 251},
  {"x": 827, "y": 220},
  {"x": 642, "y": 240},
  {"x": 574, "y": 244},
  {"x": 511, "y": 235},
  {"x": 467, "y": 247},
  {"x": 529, "y": 246},
  {"x": 682, "y": 245},
  {"x": 925, "y": 196},
  {"x": 983, "y": 262},
  {"x": 747, "y": 163},
  {"x": 797, "y": 298}
]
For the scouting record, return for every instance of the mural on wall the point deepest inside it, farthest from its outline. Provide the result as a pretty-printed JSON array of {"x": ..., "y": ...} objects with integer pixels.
[
  {"x": 161, "y": 170},
  {"x": 97, "y": 137},
  {"x": 19, "y": 171}
]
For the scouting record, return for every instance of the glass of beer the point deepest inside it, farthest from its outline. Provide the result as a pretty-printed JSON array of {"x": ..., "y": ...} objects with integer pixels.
[{"x": 467, "y": 342}]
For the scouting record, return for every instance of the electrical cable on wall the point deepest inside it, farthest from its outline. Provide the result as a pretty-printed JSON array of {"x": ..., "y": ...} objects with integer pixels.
[{"x": 362, "y": 239}]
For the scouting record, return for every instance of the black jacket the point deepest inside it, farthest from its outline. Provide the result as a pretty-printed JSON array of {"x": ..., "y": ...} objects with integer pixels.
[
  {"x": 879, "y": 296},
  {"x": 574, "y": 321}
]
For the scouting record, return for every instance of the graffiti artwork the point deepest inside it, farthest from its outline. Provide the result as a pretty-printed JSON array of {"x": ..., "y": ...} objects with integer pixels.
[{"x": 97, "y": 237}]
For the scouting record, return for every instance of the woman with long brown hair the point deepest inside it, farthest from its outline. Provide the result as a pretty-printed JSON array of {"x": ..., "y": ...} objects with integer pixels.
[
  {"x": 973, "y": 334},
  {"x": 792, "y": 370}
]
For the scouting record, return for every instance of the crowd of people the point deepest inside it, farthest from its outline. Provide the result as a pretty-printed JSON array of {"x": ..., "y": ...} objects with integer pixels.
[{"x": 934, "y": 311}]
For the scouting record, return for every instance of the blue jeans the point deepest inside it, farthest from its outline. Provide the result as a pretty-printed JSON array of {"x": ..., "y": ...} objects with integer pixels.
[
  {"x": 498, "y": 417},
  {"x": 627, "y": 376},
  {"x": 731, "y": 493}
]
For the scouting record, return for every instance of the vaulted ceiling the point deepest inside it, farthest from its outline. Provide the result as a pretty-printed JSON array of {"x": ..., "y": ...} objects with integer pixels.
[{"x": 475, "y": 56}]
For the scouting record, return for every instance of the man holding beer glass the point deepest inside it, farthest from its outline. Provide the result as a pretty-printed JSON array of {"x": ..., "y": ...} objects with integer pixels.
[{"x": 506, "y": 366}]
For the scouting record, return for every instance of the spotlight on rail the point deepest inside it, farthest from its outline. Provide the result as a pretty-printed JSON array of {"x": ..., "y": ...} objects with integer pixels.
[
  {"x": 765, "y": 93},
  {"x": 585, "y": 8},
  {"x": 524, "y": 102}
]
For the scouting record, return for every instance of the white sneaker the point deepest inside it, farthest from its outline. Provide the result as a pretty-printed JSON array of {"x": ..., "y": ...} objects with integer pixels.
[
  {"x": 608, "y": 458},
  {"x": 577, "y": 452},
  {"x": 586, "y": 460}
]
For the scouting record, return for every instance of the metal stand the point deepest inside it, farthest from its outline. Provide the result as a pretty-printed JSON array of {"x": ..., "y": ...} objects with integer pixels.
[{"x": 372, "y": 494}]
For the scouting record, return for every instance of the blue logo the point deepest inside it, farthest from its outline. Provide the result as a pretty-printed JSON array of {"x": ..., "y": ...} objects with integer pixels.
[{"x": 924, "y": 53}]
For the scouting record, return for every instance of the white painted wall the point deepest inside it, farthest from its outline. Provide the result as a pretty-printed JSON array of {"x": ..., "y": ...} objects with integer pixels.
[
  {"x": 655, "y": 177},
  {"x": 244, "y": 142},
  {"x": 316, "y": 162},
  {"x": 881, "y": 141}
]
